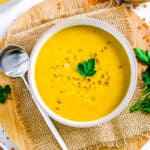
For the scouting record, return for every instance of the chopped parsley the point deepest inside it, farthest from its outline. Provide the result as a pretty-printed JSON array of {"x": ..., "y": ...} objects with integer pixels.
[
  {"x": 4, "y": 92},
  {"x": 86, "y": 68}
]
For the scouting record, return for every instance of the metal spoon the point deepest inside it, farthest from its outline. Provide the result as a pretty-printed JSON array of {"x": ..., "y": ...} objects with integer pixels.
[{"x": 14, "y": 62}]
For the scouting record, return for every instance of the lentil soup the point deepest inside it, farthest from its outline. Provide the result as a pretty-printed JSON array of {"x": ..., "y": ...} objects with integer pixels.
[{"x": 68, "y": 93}]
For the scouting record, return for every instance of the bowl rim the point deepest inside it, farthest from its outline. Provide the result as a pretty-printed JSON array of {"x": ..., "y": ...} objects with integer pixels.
[{"x": 74, "y": 21}]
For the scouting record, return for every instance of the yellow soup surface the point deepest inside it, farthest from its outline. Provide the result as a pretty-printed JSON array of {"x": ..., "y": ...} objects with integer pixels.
[{"x": 69, "y": 94}]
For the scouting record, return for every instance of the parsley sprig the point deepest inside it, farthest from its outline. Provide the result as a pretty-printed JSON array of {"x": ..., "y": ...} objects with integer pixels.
[
  {"x": 143, "y": 102},
  {"x": 4, "y": 91},
  {"x": 86, "y": 68}
]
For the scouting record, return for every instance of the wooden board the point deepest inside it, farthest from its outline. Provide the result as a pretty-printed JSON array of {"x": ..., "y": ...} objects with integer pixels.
[{"x": 8, "y": 118}]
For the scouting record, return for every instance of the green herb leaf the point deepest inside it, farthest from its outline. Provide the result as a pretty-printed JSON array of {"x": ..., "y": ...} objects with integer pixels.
[
  {"x": 7, "y": 89},
  {"x": 91, "y": 64},
  {"x": 136, "y": 106},
  {"x": 148, "y": 55},
  {"x": 143, "y": 105},
  {"x": 86, "y": 68},
  {"x": 143, "y": 102},
  {"x": 91, "y": 73},
  {"x": 80, "y": 69},
  {"x": 142, "y": 56},
  {"x": 146, "y": 77},
  {"x": 4, "y": 91}
]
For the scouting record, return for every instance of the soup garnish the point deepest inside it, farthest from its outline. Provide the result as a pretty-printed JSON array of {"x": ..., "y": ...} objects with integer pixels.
[{"x": 87, "y": 68}]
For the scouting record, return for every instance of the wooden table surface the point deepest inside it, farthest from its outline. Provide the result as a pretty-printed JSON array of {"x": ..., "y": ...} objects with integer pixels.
[{"x": 16, "y": 131}]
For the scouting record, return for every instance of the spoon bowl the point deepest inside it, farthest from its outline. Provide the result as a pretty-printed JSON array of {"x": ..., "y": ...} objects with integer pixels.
[{"x": 14, "y": 61}]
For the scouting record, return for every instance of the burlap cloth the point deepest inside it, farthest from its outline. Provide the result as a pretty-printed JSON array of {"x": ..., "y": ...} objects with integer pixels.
[{"x": 113, "y": 133}]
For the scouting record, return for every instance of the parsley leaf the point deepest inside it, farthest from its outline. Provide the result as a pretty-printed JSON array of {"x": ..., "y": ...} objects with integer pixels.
[
  {"x": 4, "y": 91},
  {"x": 142, "y": 56},
  {"x": 143, "y": 105},
  {"x": 136, "y": 106},
  {"x": 146, "y": 77},
  {"x": 148, "y": 54},
  {"x": 86, "y": 68}
]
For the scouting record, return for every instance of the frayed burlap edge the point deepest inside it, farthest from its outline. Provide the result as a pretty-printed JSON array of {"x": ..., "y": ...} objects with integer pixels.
[{"x": 117, "y": 144}]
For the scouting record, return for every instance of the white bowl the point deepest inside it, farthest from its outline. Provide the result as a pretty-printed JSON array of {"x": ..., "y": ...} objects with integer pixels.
[{"x": 95, "y": 23}]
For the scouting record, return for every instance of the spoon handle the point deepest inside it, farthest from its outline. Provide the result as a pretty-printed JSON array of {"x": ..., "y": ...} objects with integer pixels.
[{"x": 48, "y": 121}]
